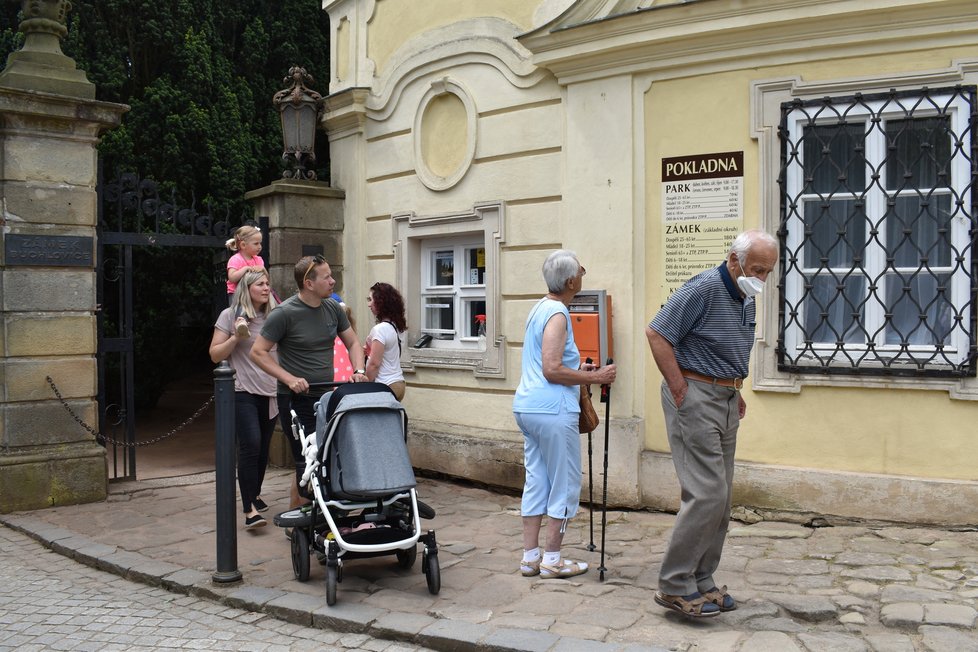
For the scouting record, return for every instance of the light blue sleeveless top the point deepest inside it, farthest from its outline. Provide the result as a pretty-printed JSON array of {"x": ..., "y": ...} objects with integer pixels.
[{"x": 535, "y": 393}]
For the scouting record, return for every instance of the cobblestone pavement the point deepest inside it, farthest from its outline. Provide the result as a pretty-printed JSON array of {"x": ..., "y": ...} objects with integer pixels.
[
  {"x": 844, "y": 588},
  {"x": 49, "y": 602}
]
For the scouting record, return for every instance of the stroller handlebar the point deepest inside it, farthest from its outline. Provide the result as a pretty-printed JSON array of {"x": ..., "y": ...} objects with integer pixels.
[{"x": 318, "y": 389}]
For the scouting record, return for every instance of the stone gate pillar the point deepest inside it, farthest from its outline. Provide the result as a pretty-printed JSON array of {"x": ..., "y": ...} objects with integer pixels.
[
  {"x": 304, "y": 218},
  {"x": 50, "y": 124}
]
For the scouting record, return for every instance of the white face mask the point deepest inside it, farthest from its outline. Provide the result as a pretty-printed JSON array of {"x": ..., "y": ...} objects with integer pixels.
[{"x": 751, "y": 286}]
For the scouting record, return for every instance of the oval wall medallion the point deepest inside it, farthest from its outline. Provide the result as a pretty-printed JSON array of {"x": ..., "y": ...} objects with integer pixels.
[{"x": 444, "y": 135}]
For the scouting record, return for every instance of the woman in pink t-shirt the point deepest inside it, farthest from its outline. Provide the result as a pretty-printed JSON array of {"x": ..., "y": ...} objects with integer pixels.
[{"x": 342, "y": 367}]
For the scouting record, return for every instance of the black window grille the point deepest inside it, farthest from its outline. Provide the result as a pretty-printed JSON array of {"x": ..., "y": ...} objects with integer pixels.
[{"x": 877, "y": 234}]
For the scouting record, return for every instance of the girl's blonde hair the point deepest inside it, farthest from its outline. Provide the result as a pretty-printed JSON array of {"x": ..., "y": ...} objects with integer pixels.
[
  {"x": 241, "y": 234},
  {"x": 242, "y": 295}
]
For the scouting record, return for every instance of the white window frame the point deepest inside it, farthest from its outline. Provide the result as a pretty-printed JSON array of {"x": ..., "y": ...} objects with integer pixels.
[
  {"x": 958, "y": 112},
  {"x": 457, "y": 296},
  {"x": 415, "y": 236},
  {"x": 766, "y": 97}
]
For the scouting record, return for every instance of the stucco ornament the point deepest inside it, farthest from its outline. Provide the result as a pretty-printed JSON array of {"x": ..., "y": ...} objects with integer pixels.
[
  {"x": 45, "y": 16},
  {"x": 445, "y": 134}
]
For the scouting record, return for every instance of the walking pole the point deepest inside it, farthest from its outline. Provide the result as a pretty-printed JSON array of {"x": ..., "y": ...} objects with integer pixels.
[
  {"x": 606, "y": 399},
  {"x": 590, "y": 482}
]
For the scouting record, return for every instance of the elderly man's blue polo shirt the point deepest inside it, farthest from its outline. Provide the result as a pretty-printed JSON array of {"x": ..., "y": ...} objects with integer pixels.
[{"x": 709, "y": 324}]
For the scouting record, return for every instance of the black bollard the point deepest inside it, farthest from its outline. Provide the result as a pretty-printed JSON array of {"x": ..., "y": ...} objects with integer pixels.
[{"x": 227, "y": 535}]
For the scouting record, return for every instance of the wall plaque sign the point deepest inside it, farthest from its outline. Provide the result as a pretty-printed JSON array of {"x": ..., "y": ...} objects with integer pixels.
[
  {"x": 702, "y": 212},
  {"x": 48, "y": 250}
]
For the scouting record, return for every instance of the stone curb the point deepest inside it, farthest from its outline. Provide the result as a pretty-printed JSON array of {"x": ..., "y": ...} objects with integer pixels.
[{"x": 443, "y": 634}]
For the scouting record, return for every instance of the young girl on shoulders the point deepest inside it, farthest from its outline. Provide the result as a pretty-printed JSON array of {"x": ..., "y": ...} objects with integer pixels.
[{"x": 247, "y": 245}]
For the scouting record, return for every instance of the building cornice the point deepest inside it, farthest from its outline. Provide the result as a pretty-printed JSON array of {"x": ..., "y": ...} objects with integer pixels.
[
  {"x": 345, "y": 112},
  {"x": 713, "y": 34}
]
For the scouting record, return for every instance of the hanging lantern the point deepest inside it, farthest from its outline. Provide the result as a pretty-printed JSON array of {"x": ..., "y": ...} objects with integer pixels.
[{"x": 299, "y": 109}]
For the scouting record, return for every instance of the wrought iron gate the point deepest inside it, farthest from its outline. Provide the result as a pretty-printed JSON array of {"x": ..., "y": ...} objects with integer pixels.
[{"x": 132, "y": 214}]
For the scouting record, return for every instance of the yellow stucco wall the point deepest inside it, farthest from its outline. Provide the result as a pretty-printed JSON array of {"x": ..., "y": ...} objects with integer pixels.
[
  {"x": 396, "y": 22},
  {"x": 891, "y": 431}
]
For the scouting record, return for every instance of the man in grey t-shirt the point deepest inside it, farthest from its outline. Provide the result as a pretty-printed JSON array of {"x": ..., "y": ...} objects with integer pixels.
[{"x": 304, "y": 327}]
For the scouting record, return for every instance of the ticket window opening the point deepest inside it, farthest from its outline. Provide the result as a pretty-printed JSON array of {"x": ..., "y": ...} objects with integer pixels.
[{"x": 590, "y": 313}]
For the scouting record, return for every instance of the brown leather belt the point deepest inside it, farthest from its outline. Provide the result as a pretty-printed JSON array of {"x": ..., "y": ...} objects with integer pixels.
[{"x": 735, "y": 383}]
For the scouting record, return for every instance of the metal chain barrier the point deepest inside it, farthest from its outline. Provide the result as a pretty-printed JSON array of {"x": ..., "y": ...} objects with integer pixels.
[{"x": 98, "y": 435}]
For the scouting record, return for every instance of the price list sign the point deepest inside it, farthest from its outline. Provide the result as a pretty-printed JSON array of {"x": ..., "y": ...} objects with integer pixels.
[{"x": 702, "y": 212}]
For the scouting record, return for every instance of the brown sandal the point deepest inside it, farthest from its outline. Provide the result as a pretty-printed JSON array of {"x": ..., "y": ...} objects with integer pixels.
[
  {"x": 698, "y": 607},
  {"x": 530, "y": 568},
  {"x": 720, "y": 598}
]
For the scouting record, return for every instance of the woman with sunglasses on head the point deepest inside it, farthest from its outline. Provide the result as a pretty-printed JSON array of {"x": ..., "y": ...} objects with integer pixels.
[
  {"x": 383, "y": 347},
  {"x": 255, "y": 405}
]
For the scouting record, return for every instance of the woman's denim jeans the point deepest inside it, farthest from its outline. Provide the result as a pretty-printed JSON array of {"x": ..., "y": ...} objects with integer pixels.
[{"x": 254, "y": 433}]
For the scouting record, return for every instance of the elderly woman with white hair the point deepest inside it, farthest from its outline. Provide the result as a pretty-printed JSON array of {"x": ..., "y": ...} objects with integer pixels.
[{"x": 547, "y": 410}]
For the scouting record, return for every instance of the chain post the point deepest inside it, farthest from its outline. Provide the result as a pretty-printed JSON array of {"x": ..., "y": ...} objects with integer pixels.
[{"x": 227, "y": 535}]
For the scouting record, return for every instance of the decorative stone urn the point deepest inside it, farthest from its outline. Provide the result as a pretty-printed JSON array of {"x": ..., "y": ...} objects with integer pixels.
[
  {"x": 41, "y": 65},
  {"x": 42, "y": 16}
]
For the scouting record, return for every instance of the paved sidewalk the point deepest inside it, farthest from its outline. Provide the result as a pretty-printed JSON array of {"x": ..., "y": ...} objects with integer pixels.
[
  {"x": 835, "y": 588},
  {"x": 49, "y": 602}
]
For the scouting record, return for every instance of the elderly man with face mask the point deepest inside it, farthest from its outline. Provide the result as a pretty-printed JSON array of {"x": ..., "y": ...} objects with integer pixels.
[{"x": 701, "y": 341}]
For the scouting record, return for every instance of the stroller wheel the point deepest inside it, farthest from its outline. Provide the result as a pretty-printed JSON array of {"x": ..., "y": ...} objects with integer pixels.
[
  {"x": 332, "y": 577},
  {"x": 432, "y": 573},
  {"x": 406, "y": 558},
  {"x": 300, "y": 554}
]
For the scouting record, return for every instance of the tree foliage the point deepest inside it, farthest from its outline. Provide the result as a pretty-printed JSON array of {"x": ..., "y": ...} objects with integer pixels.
[{"x": 199, "y": 76}]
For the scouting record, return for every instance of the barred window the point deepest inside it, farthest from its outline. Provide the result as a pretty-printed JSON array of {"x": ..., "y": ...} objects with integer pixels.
[{"x": 877, "y": 232}]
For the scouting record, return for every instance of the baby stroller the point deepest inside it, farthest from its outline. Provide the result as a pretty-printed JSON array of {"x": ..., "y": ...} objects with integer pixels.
[{"x": 363, "y": 487}]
